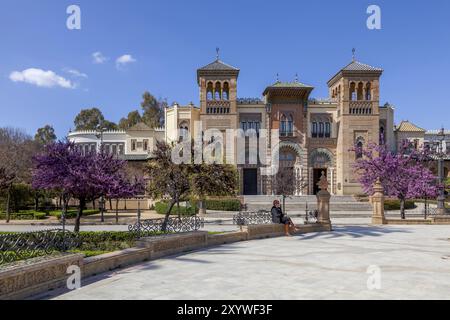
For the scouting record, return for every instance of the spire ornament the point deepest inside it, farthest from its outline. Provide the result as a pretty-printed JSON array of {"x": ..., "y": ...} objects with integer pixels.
[
  {"x": 217, "y": 53},
  {"x": 353, "y": 54}
]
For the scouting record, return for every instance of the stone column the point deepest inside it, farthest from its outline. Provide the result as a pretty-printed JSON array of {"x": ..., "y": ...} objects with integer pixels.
[
  {"x": 332, "y": 180},
  {"x": 377, "y": 200},
  {"x": 302, "y": 180},
  {"x": 323, "y": 200}
]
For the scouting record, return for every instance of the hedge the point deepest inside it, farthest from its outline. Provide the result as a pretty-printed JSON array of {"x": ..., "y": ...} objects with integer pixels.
[
  {"x": 71, "y": 214},
  {"x": 162, "y": 207},
  {"x": 393, "y": 204},
  {"x": 25, "y": 215},
  {"x": 223, "y": 205}
]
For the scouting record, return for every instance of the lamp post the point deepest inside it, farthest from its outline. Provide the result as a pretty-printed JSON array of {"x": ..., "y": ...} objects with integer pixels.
[
  {"x": 100, "y": 131},
  {"x": 441, "y": 198}
]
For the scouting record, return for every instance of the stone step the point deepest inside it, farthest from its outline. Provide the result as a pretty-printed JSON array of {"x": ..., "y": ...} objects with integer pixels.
[{"x": 299, "y": 203}]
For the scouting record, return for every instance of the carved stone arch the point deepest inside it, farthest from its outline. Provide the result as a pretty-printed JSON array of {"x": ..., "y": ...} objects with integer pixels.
[
  {"x": 295, "y": 147},
  {"x": 321, "y": 158}
]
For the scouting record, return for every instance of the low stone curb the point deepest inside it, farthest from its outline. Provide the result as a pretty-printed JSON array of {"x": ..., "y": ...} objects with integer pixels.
[{"x": 50, "y": 273}]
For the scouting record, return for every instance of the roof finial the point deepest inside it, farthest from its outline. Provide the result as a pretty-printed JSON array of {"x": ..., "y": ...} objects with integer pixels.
[
  {"x": 278, "y": 77},
  {"x": 296, "y": 77},
  {"x": 353, "y": 54},
  {"x": 217, "y": 53}
]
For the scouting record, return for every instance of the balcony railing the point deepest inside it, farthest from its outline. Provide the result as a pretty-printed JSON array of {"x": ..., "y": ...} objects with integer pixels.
[
  {"x": 360, "y": 107},
  {"x": 218, "y": 107}
]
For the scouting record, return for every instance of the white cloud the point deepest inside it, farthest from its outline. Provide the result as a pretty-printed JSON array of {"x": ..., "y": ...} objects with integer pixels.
[
  {"x": 76, "y": 73},
  {"x": 124, "y": 60},
  {"x": 41, "y": 78},
  {"x": 98, "y": 58}
]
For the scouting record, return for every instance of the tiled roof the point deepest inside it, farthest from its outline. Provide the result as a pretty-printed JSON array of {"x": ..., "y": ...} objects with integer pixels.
[
  {"x": 355, "y": 67},
  {"x": 294, "y": 84},
  {"x": 358, "y": 66},
  {"x": 406, "y": 126},
  {"x": 287, "y": 86},
  {"x": 218, "y": 65}
]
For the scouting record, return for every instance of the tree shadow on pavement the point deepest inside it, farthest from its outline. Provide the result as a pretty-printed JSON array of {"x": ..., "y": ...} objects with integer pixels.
[{"x": 353, "y": 231}]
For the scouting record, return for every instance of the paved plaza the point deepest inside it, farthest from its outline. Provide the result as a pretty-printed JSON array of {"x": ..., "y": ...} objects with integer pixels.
[{"x": 414, "y": 263}]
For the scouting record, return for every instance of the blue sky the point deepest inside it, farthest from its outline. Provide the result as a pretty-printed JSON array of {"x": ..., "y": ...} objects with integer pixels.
[{"x": 168, "y": 40}]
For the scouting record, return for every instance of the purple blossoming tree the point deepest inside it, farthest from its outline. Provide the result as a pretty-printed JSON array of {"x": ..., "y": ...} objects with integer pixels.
[
  {"x": 64, "y": 168},
  {"x": 404, "y": 174}
]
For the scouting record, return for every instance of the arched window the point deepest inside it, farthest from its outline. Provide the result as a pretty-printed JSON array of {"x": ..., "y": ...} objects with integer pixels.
[
  {"x": 382, "y": 136},
  {"x": 368, "y": 92},
  {"x": 360, "y": 91},
  {"x": 290, "y": 125},
  {"x": 314, "y": 130},
  {"x": 352, "y": 91},
  {"x": 217, "y": 92},
  {"x": 283, "y": 127},
  {"x": 226, "y": 91},
  {"x": 321, "y": 130},
  {"x": 359, "y": 145},
  {"x": 209, "y": 91},
  {"x": 183, "y": 132},
  {"x": 327, "y": 130}
]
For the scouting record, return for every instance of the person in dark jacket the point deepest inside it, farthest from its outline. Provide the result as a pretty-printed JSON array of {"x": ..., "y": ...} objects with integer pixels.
[{"x": 279, "y": 217}]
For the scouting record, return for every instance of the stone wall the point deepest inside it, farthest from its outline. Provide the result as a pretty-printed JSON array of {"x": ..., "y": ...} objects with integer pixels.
[{"x": 30, "y": 277}]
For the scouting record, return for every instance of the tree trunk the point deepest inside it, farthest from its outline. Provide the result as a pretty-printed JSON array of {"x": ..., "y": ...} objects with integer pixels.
[
  {"x": 110, "y": 204},
  {"x": 178, "y": 208},
  {"x": 93, "y": 204},
  {"x": 117, "y": 211},
  {"x": 36, "y": 202},
  {"x": 202, "y": 209},
  {"x": 402, "y": 209},
  {"x": 8, "y": 204},
  {"x": 166, "y": 218},
  {"x": 79, "y": 215}
]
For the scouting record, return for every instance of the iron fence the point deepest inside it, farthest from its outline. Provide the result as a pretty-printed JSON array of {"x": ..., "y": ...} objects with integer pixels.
[
  {"x": 252, "y": 218},
  {"x": 311, "y": 217},
  {"x": 20, "y": 246},
  {"x": 151, "y": 227}
]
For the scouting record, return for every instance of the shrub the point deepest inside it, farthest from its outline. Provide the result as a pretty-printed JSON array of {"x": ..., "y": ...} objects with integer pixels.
[
  {"x": 23, "y": 215},
  {"x": 39, "y": 215},
  {"x": 106, "y": 241},
  {"x": 394, "y": 204},
  {"x": 162, "y": 207},
  {"x": 71, "y": 214},
  {"x": 223, "y": 205}
]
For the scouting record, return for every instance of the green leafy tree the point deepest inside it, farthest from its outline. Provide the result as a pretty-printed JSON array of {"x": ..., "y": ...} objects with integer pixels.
[
  {"x": 153, "y": 110},
  {"x": 108, "y": 125},
  {"x": 179, "y": 182},
  {"x": 213, "y": 180},
  {"x": 92, "y": 119},
  {"x": 45, "y": 135},
  {"x": 133, "y": 118},
  {"x": 16, "y": 153}
]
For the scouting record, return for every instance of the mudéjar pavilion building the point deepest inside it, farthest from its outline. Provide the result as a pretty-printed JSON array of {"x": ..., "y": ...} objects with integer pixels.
[{"x": 315, "y": 135}]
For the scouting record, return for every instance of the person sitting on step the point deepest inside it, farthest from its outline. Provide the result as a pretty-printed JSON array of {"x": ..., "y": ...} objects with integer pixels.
[{"x": 279, "y": 217}]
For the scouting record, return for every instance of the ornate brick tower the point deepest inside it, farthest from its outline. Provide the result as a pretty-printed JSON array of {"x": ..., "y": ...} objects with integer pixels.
[
  {"x": 356, "y": 89},
  {"x": 218, "y": 89}
]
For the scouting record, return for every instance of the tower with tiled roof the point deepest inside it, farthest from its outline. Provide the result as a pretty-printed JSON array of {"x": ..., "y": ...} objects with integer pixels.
[{"x": 356, "y": 89}]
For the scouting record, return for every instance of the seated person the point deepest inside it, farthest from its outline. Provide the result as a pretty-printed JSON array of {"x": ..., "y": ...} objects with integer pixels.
[{"x": 279, "y": 217}]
